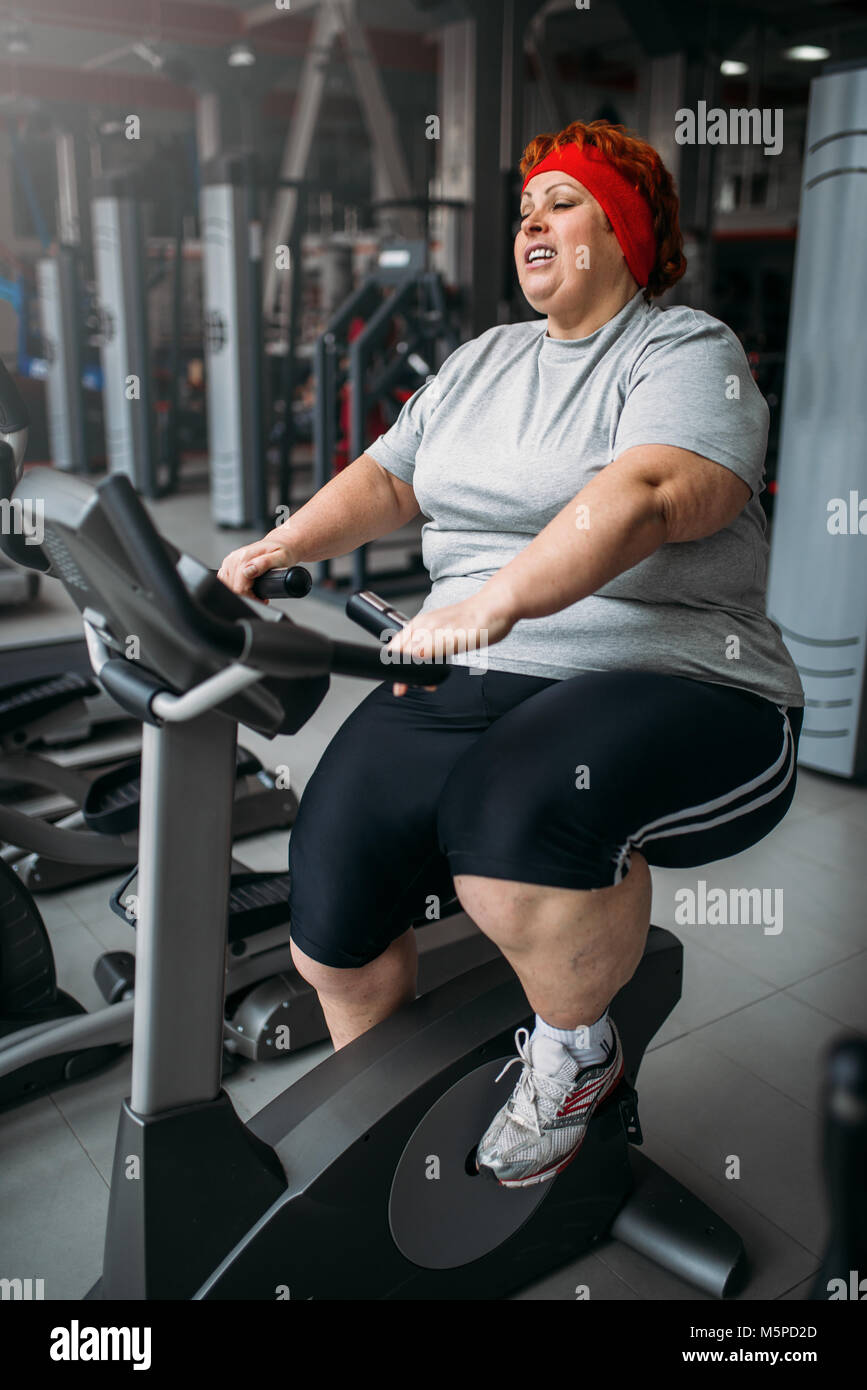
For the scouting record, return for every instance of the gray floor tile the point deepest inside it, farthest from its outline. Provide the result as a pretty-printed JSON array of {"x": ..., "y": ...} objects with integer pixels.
[
  {"x": 76, "y": 950},
  {"x": 832, "y": 839},
  {"x": 819, "y": 791},
  {"x": 800, "y": 1292},
  {"x": 855, "y": 808},
  {"x": 828, "y": 900},
  {"x": 53, "y": 1205},
  {"x": 779, "y": 1039},
  {"x": 839, "y": 992},
  {"x": 90, "y": 901},
  {"x": 254, "y": 1084},
  {"x": 56, "y": 911},
  {"x": 264, "y": 853},
  {"x": 91, "y": 1108},
  {"x": 710, "y": 1109},
  {"x": 823, "y": 898},
  {"x": 800, "y": 950},
  {"x": 712, "y": 988},
  {"x": 111, "y": 933}
]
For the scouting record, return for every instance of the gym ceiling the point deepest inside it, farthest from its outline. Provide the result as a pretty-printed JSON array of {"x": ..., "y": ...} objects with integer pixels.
[{"x": 148, "y": 54}]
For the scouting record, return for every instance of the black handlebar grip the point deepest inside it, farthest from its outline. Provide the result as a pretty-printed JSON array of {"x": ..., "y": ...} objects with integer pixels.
[
  {"x": 295, "y": 582},
  {"x": 378, "y": 617},
  {"x": 375, "y": 615}
]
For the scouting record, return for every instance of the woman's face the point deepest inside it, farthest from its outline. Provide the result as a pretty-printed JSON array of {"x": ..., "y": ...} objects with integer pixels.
[{"x": 561, "y": 216}]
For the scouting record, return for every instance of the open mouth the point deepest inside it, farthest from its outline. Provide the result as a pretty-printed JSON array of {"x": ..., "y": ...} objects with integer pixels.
[{"x": 539, "y": 255}]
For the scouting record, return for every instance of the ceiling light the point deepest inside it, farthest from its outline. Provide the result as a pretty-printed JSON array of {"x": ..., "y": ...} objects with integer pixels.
[
  {"x": 241, "y": 56},
  {"x": 731, "y": 67},
  {"x": 148, "y": 54},
  {"x": 807, "y": 53}
]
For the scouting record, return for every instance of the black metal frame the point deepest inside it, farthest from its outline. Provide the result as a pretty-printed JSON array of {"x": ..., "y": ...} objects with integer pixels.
[{"x": 420, "y": 298}]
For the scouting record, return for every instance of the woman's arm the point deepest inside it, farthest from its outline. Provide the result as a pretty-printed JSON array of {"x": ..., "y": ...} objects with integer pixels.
[
  {"x": 363, "y": 502},
  {"x": 651, "y": 496}
]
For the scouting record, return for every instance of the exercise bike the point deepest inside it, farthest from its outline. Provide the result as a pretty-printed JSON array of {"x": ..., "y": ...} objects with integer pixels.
[{"x": 359, "y": 1181}]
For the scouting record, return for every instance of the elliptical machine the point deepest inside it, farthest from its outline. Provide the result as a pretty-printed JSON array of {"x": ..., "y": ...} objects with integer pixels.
[{"x": 359, "y": 1181}]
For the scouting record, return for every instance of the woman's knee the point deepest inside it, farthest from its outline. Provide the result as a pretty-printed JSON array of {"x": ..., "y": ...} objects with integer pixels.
[
  {"x": 327, "y": 979},
  {"x": 355, "y": 982},
  {"x": 508, "y": 909}
]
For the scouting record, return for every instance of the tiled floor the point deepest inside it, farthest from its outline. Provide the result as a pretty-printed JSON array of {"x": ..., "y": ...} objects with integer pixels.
[{"x": 731, "y": 1082}]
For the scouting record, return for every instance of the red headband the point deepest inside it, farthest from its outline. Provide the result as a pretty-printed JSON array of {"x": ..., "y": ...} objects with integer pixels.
[{"x": 623, "y": 204}]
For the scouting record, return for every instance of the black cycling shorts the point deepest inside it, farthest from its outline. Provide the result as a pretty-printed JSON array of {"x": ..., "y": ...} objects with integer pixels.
[{"x": 518, "y": 777}]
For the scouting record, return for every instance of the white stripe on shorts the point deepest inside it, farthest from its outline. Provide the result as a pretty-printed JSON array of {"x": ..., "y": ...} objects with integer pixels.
[{"x": 686, "y": 821}]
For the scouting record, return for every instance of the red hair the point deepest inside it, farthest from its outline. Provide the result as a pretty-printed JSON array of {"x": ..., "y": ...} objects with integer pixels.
[{"x": 642, "y": 165}]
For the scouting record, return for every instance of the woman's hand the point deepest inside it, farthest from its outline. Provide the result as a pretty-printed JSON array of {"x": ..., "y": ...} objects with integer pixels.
[
  {"x": 473, "y": 625},
  {"x": 241, "y": 568}
]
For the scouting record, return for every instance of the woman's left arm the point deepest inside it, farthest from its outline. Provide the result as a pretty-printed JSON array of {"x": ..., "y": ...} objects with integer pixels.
[{"x": 652, "y": 495}]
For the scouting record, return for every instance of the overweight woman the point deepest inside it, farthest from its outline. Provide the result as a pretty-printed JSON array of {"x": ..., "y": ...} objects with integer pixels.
[{"x": 598, "y": 559}]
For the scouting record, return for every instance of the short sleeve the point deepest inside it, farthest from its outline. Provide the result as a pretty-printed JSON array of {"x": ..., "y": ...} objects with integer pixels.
[
  {"x": 397, "y": 448},
  {"x": 694, "y": 390}
]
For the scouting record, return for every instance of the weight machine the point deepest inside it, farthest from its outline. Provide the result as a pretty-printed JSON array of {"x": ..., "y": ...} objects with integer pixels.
[{"x": 401, "y": 285}]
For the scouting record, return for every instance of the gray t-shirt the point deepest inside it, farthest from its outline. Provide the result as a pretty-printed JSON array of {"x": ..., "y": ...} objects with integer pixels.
[{"x": 515, "y": 423}]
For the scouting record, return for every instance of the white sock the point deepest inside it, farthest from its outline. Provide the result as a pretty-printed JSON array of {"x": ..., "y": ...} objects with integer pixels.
[{"x": 585, "y": 1045}]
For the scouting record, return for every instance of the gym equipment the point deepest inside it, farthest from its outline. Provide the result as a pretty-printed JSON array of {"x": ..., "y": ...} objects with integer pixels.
[
  {"x": 845, "y": 1163},
  {"x": 143, "y": 440},
  {"x": 30, "y": 1001},
  {"x": 289, "y": 363},
  {"x": 58, "y": 729},
  {"x": 42, "y": 685},
  {"x": 97, "y": 788},
  {"x": 61, "y": 300},
  {"x": 232, "y": 255},
  {"x": 49, "y": 699},
  {"x": 399, "y": 286},
  {"x": 325, "y": 1193},
  {"x": 49, "y": 712},
  {"x": 51, "y": 703},
  {"x": 32, "y": 664},
  {"x": 120, "y": 260},
  {"x": 101, "y": 836},
  {"x": 17, "y": 585},
  {"x": 817, "y": 585}
]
